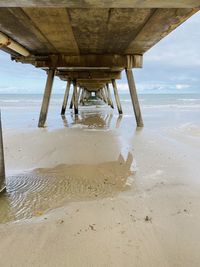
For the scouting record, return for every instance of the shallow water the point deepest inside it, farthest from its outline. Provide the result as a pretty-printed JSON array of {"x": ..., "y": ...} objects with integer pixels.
[{"x": 34, "y": 193}]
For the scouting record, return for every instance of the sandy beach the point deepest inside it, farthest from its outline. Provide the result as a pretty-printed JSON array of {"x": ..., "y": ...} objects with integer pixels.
[{"x": 96, "y": 191}]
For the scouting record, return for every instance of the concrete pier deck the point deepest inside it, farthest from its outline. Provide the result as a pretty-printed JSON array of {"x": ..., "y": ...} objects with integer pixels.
[{"x": 89, "y": 42}]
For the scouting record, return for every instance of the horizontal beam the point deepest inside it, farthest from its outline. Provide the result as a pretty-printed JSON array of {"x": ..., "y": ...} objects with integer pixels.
[
  {"x": 92, "y": 87},
  {"x": 101, "y": 3},
  {"x": 5, "y": 41},
  {"x": 83, "y": 61},
  {"x": 94, "y": 82},
  {"x": 88, "y": 75}
]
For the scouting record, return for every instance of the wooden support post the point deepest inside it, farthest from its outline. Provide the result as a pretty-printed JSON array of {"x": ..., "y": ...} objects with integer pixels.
[
  {"x": 117, "y": 97},
  {"x": 110, "y": 102},
  {"x": 2, "y": 164},
  {"x": 75, "y": 98},
  {"x": 134, "y": 97},
  {"x": 46, "y": 98},
  {"x": 66, "y": 96}
]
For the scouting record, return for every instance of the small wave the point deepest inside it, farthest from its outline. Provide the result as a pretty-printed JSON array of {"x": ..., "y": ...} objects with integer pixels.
[
  {"x": 189, "y": 99},
  {"x": 191, "y": 129},
  {"x": 188, "y": 129},
  {"x": 126, "y": 100},
  {"x": 179, "y": 106},
  {"x": 10, "y": 101}
]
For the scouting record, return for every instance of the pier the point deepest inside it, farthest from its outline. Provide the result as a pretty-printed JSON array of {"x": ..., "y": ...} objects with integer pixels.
[
  {"x": 88, "y": 43},
  {"x": 90, "y": 187}
]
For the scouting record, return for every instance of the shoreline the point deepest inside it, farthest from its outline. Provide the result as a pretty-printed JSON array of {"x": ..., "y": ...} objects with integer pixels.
[{"x": 146, "y": 214}]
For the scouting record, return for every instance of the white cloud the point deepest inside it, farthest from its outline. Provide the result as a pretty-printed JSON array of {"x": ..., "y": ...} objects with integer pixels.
[
  {"x": 180, "y": 48},
  {"x": 122, "y": 86},
  {"x": 182, "y": 86}
]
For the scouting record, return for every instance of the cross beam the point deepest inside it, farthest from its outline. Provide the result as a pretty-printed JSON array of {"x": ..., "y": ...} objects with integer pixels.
[{"x": 83, "y": 61}]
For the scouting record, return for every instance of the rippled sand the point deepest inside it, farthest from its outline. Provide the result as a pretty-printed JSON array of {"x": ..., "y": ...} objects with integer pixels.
[{"x": 33, "y": 193}]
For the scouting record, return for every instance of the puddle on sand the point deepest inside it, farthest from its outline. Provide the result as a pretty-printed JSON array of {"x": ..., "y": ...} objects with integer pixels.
[
  {"x": 33, "y": 193},
  {"x": 90, "y": 120}
]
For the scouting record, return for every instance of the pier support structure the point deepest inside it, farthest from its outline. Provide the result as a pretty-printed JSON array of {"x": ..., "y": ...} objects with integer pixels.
[
  {"x": 79, "y": 93},
  {"x": 117, "y": 96},
  {"x": 46, "y": 98},
  {"x": 2, "y": 164},
  {"x": 134, "y": 97},
  {"x": 110, "y": 102},
  {"x": 75, "y": 97},
  {"x": 72, "y": 100},
  {"x": 81, "y": 97},
  {"x": 66, "y": 96},
  {"x": 104, "y": 95}
]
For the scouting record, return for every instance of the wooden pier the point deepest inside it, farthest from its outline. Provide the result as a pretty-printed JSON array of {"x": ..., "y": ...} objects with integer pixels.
[{"x": 88, "y": 43}]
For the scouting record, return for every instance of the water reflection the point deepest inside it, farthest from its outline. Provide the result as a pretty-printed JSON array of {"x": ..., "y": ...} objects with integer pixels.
[
  {"x": 33, "y": 193},
  {"x": 98, "y": 120}
]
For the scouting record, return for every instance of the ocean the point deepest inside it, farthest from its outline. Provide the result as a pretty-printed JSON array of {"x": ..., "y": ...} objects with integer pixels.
[
  {"x": 22, "y": 110},
  {"x": 147, "y": 100},
  {"x": 45, "y": 167}
]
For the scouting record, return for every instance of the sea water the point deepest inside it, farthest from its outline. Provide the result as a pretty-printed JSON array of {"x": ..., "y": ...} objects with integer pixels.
[
  {"x": 32, "y": 193},
  {"x": 22, "y": 110}
]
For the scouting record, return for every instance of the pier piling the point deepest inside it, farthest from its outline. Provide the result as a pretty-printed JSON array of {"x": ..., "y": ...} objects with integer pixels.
[
  {"x": 72, "y": 100},
  {"x": 2, "y": 163},
  {"x": 109, "y": 96},
  {"x": 46, "y": 98},
  {"x": 134, "y": 98},
  {"x": 75, "y": 97},
  {"x": 66, "y": 96},
  {"x": 117, "y": 96},
  {"x": 104, "y": 95}
]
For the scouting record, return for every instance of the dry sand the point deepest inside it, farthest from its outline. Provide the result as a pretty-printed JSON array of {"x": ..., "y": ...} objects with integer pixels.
[{"x": 124, "y": 197}]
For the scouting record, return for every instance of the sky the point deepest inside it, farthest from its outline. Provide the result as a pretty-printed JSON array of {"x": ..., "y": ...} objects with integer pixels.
[{"x": 171, "y": 66}]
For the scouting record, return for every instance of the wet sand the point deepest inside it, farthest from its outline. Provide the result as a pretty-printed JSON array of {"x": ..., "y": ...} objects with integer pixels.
[{"x": 98, "y": 192}]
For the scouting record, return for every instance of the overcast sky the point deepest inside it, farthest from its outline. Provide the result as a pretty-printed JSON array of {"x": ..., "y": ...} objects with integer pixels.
[{"x": 172, "y": 66}]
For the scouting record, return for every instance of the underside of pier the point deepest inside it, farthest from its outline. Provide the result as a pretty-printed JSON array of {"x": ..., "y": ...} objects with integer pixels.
[{"x": 88, "y": 43}]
